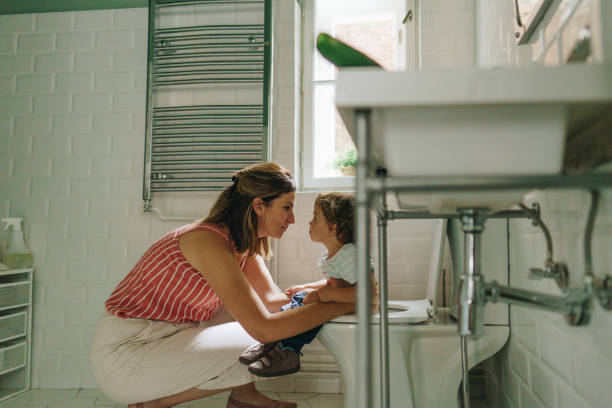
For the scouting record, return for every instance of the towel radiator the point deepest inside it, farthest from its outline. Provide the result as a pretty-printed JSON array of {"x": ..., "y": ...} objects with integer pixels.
[{"x": 208, "y": 92}]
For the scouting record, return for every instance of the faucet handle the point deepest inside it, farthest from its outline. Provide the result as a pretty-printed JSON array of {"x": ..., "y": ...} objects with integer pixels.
[{"x": 554, "y": 270}]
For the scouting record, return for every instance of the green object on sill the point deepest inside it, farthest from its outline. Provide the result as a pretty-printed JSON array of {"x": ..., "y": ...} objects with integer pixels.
[
  {"x": 344, "y": 159},
  {"x": 341, "y": 54}
]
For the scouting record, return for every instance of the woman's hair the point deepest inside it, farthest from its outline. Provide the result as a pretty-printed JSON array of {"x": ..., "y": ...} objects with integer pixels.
[
  {"x": 234, "y": 206},
  {"x": 339, "y": 209}
]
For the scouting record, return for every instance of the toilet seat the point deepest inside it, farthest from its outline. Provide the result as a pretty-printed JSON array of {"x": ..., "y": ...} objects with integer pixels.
[{"x": 400, "y": 311}]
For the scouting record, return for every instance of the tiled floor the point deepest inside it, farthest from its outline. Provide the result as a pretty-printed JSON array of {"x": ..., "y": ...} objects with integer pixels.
[{"x": 94, "y": 398}]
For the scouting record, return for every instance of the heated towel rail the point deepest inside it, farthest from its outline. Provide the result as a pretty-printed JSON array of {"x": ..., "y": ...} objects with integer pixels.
[{"x": 215, "y": 53}]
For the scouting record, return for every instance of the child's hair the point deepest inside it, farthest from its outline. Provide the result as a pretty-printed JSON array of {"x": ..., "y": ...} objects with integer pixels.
[{"x": 339, "y": 209}]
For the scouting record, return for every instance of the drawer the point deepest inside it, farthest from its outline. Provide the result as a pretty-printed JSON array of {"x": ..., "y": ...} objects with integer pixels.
[
  {"x": 13, "y": 326},
  {"x": 12, "y": 357},
  {"x": 14, "y": 294}
]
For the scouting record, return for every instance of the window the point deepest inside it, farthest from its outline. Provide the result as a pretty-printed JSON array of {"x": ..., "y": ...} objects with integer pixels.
[{"x": 385, "y": 30}]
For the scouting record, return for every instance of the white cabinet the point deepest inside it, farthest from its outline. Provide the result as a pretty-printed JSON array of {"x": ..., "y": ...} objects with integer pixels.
[{"x": 15, "y": 331}]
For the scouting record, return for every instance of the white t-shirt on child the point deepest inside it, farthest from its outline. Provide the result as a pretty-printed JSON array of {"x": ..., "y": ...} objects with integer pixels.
[{"x": 343, "y": 265}]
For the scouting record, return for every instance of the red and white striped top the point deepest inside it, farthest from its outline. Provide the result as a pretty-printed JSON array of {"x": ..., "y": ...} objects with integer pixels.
[{"x": 165, "y": 286}]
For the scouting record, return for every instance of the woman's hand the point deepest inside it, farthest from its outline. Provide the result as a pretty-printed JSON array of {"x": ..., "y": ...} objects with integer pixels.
[{"x": 312, "y": 297}]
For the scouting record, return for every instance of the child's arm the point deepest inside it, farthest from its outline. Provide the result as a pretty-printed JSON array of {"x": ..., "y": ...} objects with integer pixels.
[
  {"x": 341, "y": 292},
  {"x": 311, "y": 285}
]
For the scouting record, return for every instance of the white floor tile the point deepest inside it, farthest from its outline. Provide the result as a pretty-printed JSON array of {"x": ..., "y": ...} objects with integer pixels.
[
  {"x": 19, "y": 401},
  {"x": 50, "y": 397},
  {"x": 95, "y": 398},
  {"x": 75, "y": 403},
  {"x": 326, "y": 401}
]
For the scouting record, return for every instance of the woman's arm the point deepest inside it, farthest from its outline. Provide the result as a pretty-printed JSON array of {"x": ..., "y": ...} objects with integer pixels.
[
  {"x": 258, "y": 275},
  {"x": 341, "y": 291},
  {"x": 210, "y": 254},
  {"x": 311, "y": 285}
]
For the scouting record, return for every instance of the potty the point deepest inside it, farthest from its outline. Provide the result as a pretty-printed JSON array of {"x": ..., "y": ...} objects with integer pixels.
[{"x": 425, "y": 355}]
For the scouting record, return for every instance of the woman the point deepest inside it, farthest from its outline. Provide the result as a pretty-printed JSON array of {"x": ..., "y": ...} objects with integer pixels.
[{"x": 167, "y": 336}]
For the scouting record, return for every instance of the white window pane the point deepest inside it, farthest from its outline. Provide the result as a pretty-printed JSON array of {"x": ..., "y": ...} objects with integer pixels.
[
  {"x": 323, "y": 69},
  {"x": 330, "y": 135}
]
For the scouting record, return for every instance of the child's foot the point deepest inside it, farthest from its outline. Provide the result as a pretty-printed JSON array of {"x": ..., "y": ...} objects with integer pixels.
[
  {"x": 276, "y": 362},
  {"x": 255, "y": 352}
]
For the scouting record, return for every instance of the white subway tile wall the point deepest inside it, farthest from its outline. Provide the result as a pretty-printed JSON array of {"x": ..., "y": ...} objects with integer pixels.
[
  {"x": 546, "y": 362},
  {"x": 72, "y": 92},
  {"x": 447, "y": 34}
]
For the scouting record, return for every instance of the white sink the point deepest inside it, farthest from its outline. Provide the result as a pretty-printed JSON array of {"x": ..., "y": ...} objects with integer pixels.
[{"x": 504, "y": 121}]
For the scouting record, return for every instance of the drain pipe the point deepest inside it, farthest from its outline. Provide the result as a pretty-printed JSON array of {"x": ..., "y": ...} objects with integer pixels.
[
  {"x": 384, "y": 309},
  {"x": 465, "y": 383},
  {"x": 470, "y": 289}
]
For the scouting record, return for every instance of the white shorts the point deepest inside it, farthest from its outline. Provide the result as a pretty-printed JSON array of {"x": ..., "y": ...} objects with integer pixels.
[{"x": 137, "y": 360}]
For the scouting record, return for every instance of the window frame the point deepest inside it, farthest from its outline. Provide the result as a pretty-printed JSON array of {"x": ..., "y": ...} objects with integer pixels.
[{"x": 407, "y": 40}]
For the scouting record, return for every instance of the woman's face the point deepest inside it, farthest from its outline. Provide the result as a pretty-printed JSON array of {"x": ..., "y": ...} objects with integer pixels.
[{"x": 274, "y": 218}]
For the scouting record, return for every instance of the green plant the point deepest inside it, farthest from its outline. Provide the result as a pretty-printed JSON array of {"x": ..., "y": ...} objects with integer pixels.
[{"x": 346, "y": 158}]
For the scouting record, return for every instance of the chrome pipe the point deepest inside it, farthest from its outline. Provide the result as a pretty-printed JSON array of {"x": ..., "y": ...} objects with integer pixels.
[
  {"x": 574, "y": 304},
  {"x": 192, "y": 72},
  {"x": 207, "y": 81},
  {"x": 362, "y": 222},
  {"x": 465, "y": 383},
  {"x": 210, "y": 27},
  {"x": 193, "y": 179},
  {"x": 537, "y": 222},
  {"x": 186, "y": 153},
  {"x": 470, "y": 299},
  {"x": 172, "y": 3},
  {"x": 201, "y": 171},
  {"x": 160, "y": 56},
  {"x": 205, "y": 63},
  {"x": 399, "y": 215},
  {"x": 179, "y": 37},
  {"x": 241, "y": 162},
  {"x": 205, "y": 135},
  {"x": 205, "y": 108},
  {"x": 208, "y": 125},
  {"x": 204, "y": 144},
  {"x": 146, "y": 182},
  {"x": 384, "y": 309},
  {"x": 268, "y": 83},
  {"x": 207, "y": 116},
  {"x": 588, "y": 235},
  {"x": 205, "y": 45},
  {"x": 192, "y": 188},
  {"x": 486, "y": 183}
]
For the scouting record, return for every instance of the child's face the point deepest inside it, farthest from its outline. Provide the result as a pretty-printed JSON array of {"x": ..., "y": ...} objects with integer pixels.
[{"x": 319, "y": 227}]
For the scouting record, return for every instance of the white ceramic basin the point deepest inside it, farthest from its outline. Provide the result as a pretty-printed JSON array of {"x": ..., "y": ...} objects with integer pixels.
[{"x": 510, "y": 121}]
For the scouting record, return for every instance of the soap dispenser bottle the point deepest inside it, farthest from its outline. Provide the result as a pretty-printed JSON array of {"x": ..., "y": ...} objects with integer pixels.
[{"x": 18, "y": 255}]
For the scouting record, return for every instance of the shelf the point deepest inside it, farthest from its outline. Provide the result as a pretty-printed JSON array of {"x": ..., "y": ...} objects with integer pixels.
[
  {"x": 13, "y": 383},
  {"x": 15, "y": 271},
  {"x": 15, "y": 329}
]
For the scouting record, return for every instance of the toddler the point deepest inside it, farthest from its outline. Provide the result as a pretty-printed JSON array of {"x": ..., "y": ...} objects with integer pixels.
[{"x": 332, "y": 225}]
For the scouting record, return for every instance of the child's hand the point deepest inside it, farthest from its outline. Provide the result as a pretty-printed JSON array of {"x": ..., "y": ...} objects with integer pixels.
[{"x": 294, "y": 289}]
